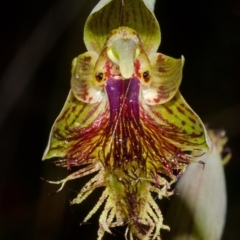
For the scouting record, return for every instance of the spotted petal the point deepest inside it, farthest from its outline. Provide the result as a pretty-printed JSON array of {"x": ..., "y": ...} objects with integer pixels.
[
  {"x": 83, "y": 86},
  {"x": 166, "y": 78}
]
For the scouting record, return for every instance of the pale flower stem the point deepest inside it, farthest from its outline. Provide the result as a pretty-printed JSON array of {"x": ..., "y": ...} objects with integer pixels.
[{"x": 199, "y": 211}]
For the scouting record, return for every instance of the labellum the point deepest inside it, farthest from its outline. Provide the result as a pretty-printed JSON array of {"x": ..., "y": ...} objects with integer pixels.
[{"x": 125, "y": 120}]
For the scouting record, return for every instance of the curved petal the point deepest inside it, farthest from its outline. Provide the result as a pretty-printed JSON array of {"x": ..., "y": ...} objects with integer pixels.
[
  {"x": 77, "y": 121},
  {"x": 83, "y": 86},
  {"x": 186, "y": 130},
  {"x": 166, "y": 79},
  {"x": 109, "y": 15}
]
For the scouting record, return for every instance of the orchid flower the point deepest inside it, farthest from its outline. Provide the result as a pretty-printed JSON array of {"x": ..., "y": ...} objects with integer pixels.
[{"x": 125, "y": 120}]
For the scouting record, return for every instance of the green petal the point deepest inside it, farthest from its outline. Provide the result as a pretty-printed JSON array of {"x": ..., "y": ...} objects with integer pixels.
[
  {"x": 188, "y": 130},
  {"x": 166, "y": 78},
  {"x": 109, "y": 15},
  {"x": 73, "y": 119}
]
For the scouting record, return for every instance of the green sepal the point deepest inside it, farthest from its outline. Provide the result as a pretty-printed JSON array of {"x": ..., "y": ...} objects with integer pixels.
[
  {"x": 188, "y": 130},
  {"x": 109, "y": 15},
  {"x": 74, "y": 117}
]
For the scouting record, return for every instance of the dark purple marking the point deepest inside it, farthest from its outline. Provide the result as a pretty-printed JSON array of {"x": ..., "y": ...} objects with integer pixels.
[{"x": 123, "y": 98}]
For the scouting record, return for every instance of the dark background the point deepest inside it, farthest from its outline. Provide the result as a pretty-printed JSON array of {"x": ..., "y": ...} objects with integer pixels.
[{"x": 38, "y": 41}]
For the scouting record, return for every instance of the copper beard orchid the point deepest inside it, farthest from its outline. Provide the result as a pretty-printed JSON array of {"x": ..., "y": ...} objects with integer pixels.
[{"x": 125, "y": 119}]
